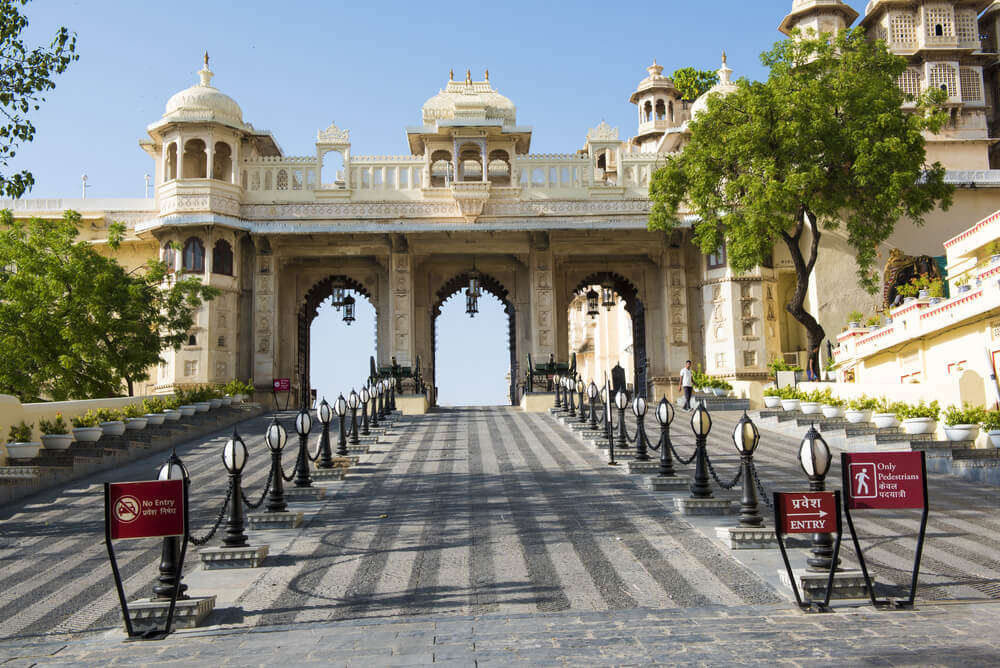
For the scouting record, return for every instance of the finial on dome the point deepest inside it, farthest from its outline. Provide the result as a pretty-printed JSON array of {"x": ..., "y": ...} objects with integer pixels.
[
  {"x": 451, "y": 74},
  {"x": 468, "y": 76},
  {"x": 724, "y": 57},
  {"x": 724, "y": 71},
  {"x": 206, "y": 60},
  {"x": 487, "y": 75},
  {"x": 205, "y": 73},
  {"x": 654, "y": 70}
]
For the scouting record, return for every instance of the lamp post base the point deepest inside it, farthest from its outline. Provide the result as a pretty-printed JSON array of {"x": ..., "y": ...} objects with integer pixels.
[
  {"x": 216, "y": 558},
  {"x": 304, "y": 493},
  {"x": 847, "y": 584},
  {"x": 693, "y": 506},
  {"x": 677, "y": 483},
  {"x": 286, "y": 520},
  {"x": 748, "y": 538},
  {"x": 326, "y": 475},
  {"x": 152, "y": 615}
]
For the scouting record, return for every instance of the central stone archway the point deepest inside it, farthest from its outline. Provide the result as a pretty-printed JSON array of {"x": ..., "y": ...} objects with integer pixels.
[{"x": 493, "y": 286}]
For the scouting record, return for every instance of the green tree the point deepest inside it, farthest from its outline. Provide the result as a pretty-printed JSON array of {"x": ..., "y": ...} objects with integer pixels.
[
  {"x": 692, "y": 83},
  {"x": 822, "y": 145},
  {"x": 25, "y": 73},
  {"x": 75, "y": 323}
]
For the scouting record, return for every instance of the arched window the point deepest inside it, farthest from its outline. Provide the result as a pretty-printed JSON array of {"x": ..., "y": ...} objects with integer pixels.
[
  {"x": 192, "y": 340},
  {"x": 170, "y": 257},
  {"x": 222, "y": 162},
  {"x": 194, "y": 255},
  {"x": 255, "y": 180},
  {"x": 661, "y": 110},
  {"x": 440, "y": 168},
  {"x": 170, "y": 168},
  {"x": 267, "y": 180},
  {"x": 647, "y": 112},
  {"x": 498, "y": 169},
  {"x": 938, "y": 30},
  {"x": 670, "y": 106},
  {"x": 282, "y": 181},
  {"x": 194, "y": 159},
  {"x": 222, "y": 258}
]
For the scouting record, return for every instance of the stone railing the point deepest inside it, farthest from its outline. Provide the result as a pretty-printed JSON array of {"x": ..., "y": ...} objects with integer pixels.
[
  {"x": 552, "y": 171},
  {"x": 280, "y": 174},
  {"x": 386, "y": 173}
]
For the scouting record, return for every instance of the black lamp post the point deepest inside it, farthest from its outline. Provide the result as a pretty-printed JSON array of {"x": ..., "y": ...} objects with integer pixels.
[
  {"x": 172, "y": 469},
  {"x": 234, "y": 458},
  {"x": 325, "y": 414},
  {"x": 373, "y": 391},
  {"x": 580, "y": 388},
  {"x": 665, "y": 416},
  {"x": 568, "y": 386},
  {"x": 745, "y": 438},
  {"x": 557, "y": 382},
  {"x": 621, "y": 403},
  {"x": 609, "y": 423},
  {"x": 639, "y": 410},
  {"x": 815, "y": 459},
  {"x": 382, "y": 389},
  {"x": 701, "y": 425},
  {"x": 365, "y": 397},
  {"x": 303, "y": 425},
  {"x": 353, "y": 401},
  {"x": 340, "y": 408},
  {"x": 275, "y": 438},
  {"x": 392, "y": 394},
  {"x": 592, "y": 310},
  {"x": 592, "y": 396}
]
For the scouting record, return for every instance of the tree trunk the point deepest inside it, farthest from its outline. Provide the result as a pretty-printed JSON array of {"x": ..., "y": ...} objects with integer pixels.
[
  {"x": 128, "y": 381},
  {"x": 803, "y": 270}
]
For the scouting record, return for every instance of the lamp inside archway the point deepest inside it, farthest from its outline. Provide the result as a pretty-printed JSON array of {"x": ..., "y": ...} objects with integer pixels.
[
  {"x": 348, "y": 303},
  {"x": 592, "y": 310}
]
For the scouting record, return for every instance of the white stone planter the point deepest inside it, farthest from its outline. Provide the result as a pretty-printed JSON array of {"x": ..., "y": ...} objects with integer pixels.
[
  {"x": 172, "y": 415},
  {"x": 154, "y": 419},
  {"x": 914, "y": 426},
  {"x": 113, "y": 428},
  {"x": 25, "y": 450},
  {"x": 216, "y": 403},
  {"x": 961, "y": 432},
  {"x": 810, "y": 407},
  {"x": 57, "y": 441},
  {"x": 857, "y": 417},
  {"x": 994, "y": 437},
  {"x": 203, "y": 406},
  {"x": 136, "y": 424},
  {"x": 227, "y": 401},
  {"x": 832, "y": 411},
  {"x": 238, "y": 398},
  {"x": 187, "y": 410},
  {"x": 87, "y": 434},
  {"x": 719, "y": 392},
  {"x": 772, "y": 402},
  {"x": 885, "y": 420},
  {"x": 790, "y": 404}
]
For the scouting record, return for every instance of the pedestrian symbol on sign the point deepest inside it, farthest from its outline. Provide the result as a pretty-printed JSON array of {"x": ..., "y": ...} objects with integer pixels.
[
  {"x": 127, "y": 509},
  {"x": 863, "y": 481}
]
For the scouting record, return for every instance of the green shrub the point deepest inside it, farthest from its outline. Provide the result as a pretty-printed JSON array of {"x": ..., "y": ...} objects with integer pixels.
[
  {"x": 836, "y": 402},
  {"x": 991, "y": 420},
  {"x": 108, "y": 415},
  {"x": 906, "y": 411},
  {"x": 171, "y": 403},
  {"x": 863, "y": 403},
  {"x": 235, "y": 386},
  {"x": 153, "y": 405},
  {"x": 52, "y": 427},
  {"x": 873, "y": 321},
  {"x": 936, "y": 288},
  {"x": 772, "y": 392},
  {"x": 855, "y": 316},
  {"x": 20, "y": 433},
  {"x": 965, "y": 415},
  {"x": 88, "y": 419},
  {"x": 132, "y": 411},
  {"x": 789, "y": 392},
  {"x": 779, "y": 364}
]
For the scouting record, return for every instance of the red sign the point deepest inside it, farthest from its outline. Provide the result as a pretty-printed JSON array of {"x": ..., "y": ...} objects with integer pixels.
[
  {"x": 282, "y": 385},
  {"x": 884, "y": 480},
  {"x": 146, "y": 509},
  {"x": 807, "y": 512}
]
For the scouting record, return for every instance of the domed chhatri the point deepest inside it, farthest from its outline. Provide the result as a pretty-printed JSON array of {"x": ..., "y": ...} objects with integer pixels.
[
  {"x": 469, "y": 100},
  {"x": 724, "y": 87},
  {"x": 204, "y": 102}
]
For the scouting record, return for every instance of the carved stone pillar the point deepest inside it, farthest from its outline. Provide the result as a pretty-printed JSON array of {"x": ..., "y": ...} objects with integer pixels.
[
  {"x": 265, "y": 289},
  {"x": 542, "y": 303},
  {"x": 401, "y": 309}
]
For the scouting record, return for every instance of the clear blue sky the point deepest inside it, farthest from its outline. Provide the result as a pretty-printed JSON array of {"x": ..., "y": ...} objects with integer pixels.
[{"x": 296, "y": 66}]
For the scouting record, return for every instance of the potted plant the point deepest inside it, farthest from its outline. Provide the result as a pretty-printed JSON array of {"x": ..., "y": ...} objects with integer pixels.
[
  {"x": 19, "y": 443},
  {"x": 994, "y": 250},
  {"x": 829, "y": 368},
  {"x": 854, "y": 319},
  {"x": 833, "y": 407},
  {"x": 963, "y": 284},
  {"x": 133, "y": 417},
  {"x": 919, "y": 418},
  {"x": 86, "y": 427},
  {"x": 962, "y": 424},
  {"x": 111, "y": 421},
  {"x": 55, "y": 433},
  {"x": 991, "y": 425},
  {"x": 790, "y": 398},
  {"x": 214, "y": 396},
  {"x": 721, "y": 387},
  {"x": 772, "y": 397},
  {"x": 860, "y": 409},
  {"x": 873, "y": 322},
  {"x": 811, "y": 402},
  {"x": 884, "y": 415},
  {"x": 202, "y": 399},
  {"x": 908, "y": 290},
  {"x": 936, "y": 291},
  {"x": 185, "y": 402},
  {"x": 153, "y": 412}
]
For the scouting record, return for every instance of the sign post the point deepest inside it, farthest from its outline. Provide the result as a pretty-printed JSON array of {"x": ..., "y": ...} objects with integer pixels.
[
  {"x": 281, "y": 385},
  {"x": 808, "y": 512},
  {"x": 152, "y": 509},
  {"x": 890, "y": 480}
]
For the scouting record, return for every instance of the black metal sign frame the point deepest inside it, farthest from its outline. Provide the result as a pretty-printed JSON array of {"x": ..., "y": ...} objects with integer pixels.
[
  {"x": 888, "y": 602},
  {"x": 152, "y": 634},
  {"x": 810, "y": 606}
]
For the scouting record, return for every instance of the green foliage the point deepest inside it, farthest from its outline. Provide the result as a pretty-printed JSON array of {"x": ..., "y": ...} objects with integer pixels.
[
  {"x": 20, "y": 433},
  {"x": 962, "y": 280},
  {"x": 172, "y": 403},
  {"x": 153, "y": 405},
  {"x": 88, "y": 419},
  {"x": 936, "y": 288},
  {"x": 836, "y": 402},
  {"x": 965, "y": 415},
  {"x": 991, "y": 420},
  {"x": 906, "y": 411},
  {"x": 855, "y": 316},
  {"x": 779, "y": 364},
  {"x": 55, "y": 426},
  {"x": 831, "y": 364},
  {"x": 236, "y": 386},
  {"x": 132, "y": 411},
  {"x": 790, "y": 392},
  {"x": 994, "y": 247},
  {"x": 108, "y": 415},
  {"x": 873, "y": 321},
  {"x": 76, "y": 324},
  {"x": 863, "y": 403},
  {"x": 772, "y": 392},
  {"x": 822, "y": 145},
  {"x": 27, "y": 73},
  {"x": 692, "y": 83}
]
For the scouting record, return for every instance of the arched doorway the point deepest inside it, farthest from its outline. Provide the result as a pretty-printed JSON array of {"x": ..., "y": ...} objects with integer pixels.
[
  {"x": 307, "y": 313},
  {"x": 492, "y": 286},
  {"x": 629, "y": 295}
]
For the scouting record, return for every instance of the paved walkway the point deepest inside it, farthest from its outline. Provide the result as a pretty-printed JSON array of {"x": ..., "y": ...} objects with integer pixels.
[{"x": 487, "y": 534}]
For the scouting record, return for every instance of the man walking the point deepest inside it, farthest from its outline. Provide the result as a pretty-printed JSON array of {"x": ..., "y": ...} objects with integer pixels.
[{"x": 687, "y": 384}]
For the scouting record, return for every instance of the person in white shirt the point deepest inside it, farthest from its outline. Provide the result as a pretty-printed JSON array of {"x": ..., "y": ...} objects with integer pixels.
[{"x": 687, "y": 384}]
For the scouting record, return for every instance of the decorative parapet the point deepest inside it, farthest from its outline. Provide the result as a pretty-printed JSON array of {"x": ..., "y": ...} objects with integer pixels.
[
  {"x": 333, "y": 135},
  {"x": 470, "y": 197},
  {"x": 977, "y": 236},
  {"x": 603, "y": 132}
]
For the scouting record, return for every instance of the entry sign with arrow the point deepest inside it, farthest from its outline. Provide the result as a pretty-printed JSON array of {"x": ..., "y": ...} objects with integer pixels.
[{"x": 808, "y": 512}]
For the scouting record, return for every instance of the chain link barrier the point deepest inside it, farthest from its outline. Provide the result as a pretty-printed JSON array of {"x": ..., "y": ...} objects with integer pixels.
[
  {"x": 711, "y": 469},
  {"x": 649, "y": 444},
  {"x": 267, "y": 488},
  {"x": 218, "y": 520},
  {"x": 289, "y": 478},
  {"x": 761, "y": 491},
  {"x": 683, "y": 461}
]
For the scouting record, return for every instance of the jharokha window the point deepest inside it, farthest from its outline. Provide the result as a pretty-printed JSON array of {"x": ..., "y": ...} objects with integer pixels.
[
  {"x": 717, "y": 260},
  {"x": 194, "y": 255},
  {"x": 222, "y": 258}
]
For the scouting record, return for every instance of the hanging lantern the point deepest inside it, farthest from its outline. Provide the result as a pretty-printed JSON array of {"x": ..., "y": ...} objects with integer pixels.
[
  {"x": 471, "y": 303},
  {"x": 592, "y": 298},
  {"x": 338, "y": 296},
  {"x": 608, "y": 296},
  {"x": 348, "y": 309},
  {"x": 474, "y": 283}
]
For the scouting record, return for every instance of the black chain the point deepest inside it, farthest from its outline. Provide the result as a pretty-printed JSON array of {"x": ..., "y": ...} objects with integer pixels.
[
  {"x": 267, "y": 487},
  {"x": 318, "y": 451},
  {"x": 711, "y": 469},
  {"x": 683, "y": 461},
  {"x": 761, "y": 492},
  {"x": 291, "y": 477},
  {"x": 654, "y": 448},
  {"x": 218, "y": 520}
]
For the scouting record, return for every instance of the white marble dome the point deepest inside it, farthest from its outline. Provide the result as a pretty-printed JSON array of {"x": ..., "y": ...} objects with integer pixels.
[
  {"x": 724, "y": 87},
  {"x": 469, "y": 100},
  {"x": 203, "y": 102}
]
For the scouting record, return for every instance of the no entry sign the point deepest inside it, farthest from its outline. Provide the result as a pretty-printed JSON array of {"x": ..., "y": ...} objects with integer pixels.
[
  {"x": 282, "y": 385},
  {"x": 884, "y": 480},
  {"x": 151, "y": 509},
  {"x": 807, "y": 512}
]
